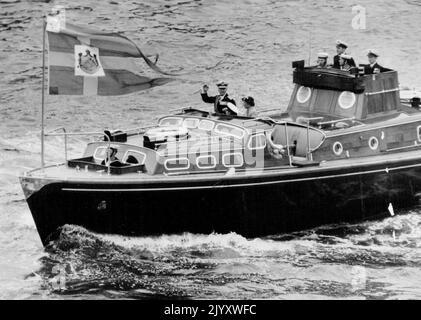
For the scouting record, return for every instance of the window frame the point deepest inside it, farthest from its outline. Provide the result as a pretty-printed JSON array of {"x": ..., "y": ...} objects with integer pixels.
[
  {"x": 95, "y": 151},
  {"x": 232, "y": 154},
  {"x": 166, "y": 118},
  {"x": 176, "y": 159},
  {"x": 229, "y": 134},
  {"x": 208, "y": 166},
  {"x": 254, "y": 136},
  {"x": 208, "y": 121},
  {"x": 197, "y": 121},
  {"x": 307, "y": 98},
  {"x": 124, "y": 159}
]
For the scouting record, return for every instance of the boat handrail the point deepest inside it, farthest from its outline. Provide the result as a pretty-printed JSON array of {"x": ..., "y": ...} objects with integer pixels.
[
  {"x": 65, "y": 134},
  {"x": 138, "y": 130},
  {"x": 203, "y": 138},
  {"x": 270, "y": 110},
  {"x": 180, "y": 109},
  {"x": 50, "y": 133},
  {"x": 335, "y": 121}
]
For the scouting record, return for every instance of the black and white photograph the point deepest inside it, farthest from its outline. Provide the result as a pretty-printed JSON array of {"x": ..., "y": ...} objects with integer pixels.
[{"x": 226, "y": 152}]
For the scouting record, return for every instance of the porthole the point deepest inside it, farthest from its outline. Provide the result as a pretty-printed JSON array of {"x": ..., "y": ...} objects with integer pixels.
[
  {"x": 419, "y": 133},
  {"x": 373, "y": 143},
  {"x": 303, "y": 94},
  {"x": 346, "y": 100},
  {"x": 337, "y": 148}
]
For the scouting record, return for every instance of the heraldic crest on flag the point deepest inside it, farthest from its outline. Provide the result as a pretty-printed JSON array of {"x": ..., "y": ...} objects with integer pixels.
[
  {"x": 84, "y": 61},
  {"x": 87, "y": 62}
]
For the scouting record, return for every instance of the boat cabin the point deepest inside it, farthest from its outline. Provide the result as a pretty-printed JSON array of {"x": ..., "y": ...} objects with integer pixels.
[
  {"x": 333, "y": 99},
  {"x": 332, "y": 115},
  {"x": 193, "y": 141}
]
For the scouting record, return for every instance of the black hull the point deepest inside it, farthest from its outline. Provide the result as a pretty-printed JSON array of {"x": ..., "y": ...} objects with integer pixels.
[{"x": 249, "y": 206}]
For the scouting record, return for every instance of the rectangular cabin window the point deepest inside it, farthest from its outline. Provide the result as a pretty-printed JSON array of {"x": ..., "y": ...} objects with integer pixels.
[
  {"x": 206, "y": 162},
  {"x": 257, "y": 141},
  {"x": 229, "y": 130},
  {"x": 234, "y": 160},
  {"x": 177, "y": 164},
  {"x": 170, "y": 121},
  {"x": 134, "y": 157},
  {"x": 191, "y": 123},
  {"x": 206, "y": 125},
  {"x": 100, "y": 153}
]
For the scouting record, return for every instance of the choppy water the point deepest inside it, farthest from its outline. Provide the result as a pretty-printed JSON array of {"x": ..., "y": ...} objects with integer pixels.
[{"x": 251, "y": 45}]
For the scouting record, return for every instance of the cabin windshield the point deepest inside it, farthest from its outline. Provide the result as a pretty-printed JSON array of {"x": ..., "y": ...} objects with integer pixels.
[
  {"x": 209, "y": 126},
  {"x": 228, "y": 130}
]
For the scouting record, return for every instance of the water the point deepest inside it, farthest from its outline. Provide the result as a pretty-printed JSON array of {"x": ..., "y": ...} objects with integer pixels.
[{"x": 251, "y": 45}]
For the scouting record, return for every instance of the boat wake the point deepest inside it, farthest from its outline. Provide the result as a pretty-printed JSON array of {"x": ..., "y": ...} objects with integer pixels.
[{"x": 229, "y": 266}]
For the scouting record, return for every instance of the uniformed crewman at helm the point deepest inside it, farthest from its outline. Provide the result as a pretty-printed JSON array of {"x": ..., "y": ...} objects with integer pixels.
[
  {"x": 373, "y": 66},
  {"x": 341, "y": 47},
  {"x": 345, "y": 62},
  {"x": 221, "y": 100},
  {"x": 322, "y": 60}
]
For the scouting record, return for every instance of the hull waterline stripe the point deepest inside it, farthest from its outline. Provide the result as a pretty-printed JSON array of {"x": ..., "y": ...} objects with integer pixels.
[{"x": 240, "y": 185}]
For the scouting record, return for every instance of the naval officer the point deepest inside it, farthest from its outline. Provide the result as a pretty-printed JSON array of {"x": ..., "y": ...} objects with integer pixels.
[
  {"x": 345, "y": 62},
  {"x": 341, "y": 49},
  {"x": 373, "y": 67},
  {"x": 222, "y": 103},
  {"x": 322, "y": 60}
]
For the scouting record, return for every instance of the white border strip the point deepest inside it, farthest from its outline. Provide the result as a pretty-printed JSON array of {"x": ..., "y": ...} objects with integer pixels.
[{"x": 243, "y": 184}]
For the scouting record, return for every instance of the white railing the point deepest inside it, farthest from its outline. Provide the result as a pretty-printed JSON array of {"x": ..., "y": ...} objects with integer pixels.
[{"x": 65, "y": 134}]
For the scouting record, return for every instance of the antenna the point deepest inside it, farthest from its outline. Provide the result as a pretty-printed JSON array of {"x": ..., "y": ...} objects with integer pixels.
[
  {"x": 309, "y": 48},
  {"x": 42, "y": 92}
]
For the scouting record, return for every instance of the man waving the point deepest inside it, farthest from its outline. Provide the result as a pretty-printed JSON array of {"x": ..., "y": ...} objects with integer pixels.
[{"x": 222, "y": 103}]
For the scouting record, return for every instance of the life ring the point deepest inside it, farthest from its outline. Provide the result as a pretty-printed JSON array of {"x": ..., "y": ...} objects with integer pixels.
[{"x": 163, "y": 133}]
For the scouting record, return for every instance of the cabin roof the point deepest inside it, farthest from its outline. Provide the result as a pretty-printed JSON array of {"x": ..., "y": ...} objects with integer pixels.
[{"x": 246, "y": 123}]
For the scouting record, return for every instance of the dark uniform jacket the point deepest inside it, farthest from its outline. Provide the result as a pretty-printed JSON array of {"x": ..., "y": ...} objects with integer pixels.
[
  {"x": 336, "y": 62},
  {"x": 216, "y": 102},
  {"x": 370, "y": 70}
]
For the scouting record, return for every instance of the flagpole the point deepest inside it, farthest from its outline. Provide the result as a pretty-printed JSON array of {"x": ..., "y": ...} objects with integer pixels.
[
  {"x": 43, "y": 93},
  {"x": 309, "y": 49}
]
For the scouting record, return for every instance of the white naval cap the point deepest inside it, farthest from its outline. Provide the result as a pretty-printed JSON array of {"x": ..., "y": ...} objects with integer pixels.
[
  {"x": 323, "y": 55},
  {"x": 341, "y": 44},
  {"x": 345, "y": 56},
  {"x": 372, "y": 52},
  {"x": 222, "y": 84}
]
